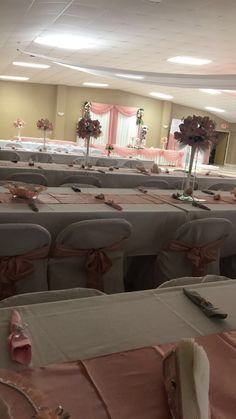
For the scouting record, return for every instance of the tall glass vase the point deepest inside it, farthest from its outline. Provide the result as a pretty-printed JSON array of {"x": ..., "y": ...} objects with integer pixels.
[
  {"x": 44, "y": 140},
  {"x": 190, "y": 168},
  {"x": 19, "y": 133},
  {"x": 87, "y": 150}
]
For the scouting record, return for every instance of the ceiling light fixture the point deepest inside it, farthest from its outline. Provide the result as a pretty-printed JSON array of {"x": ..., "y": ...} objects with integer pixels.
[
  {"x": 161, "y": 95},
  {"x": 211, "y": 108},
  {"x": 188, "y": 60},
  {"x": 130, "y": 76},
  {"x": 31, "y": 65},
  {"x": 66, "y": 41},
  {"x": 95, "y": 84},
  {"x": 211, "y": 91},
  {"x": 16, "y": 78}
]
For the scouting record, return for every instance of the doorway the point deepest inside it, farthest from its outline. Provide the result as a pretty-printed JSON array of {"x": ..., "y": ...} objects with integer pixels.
[{"x": 218, "y": 150}]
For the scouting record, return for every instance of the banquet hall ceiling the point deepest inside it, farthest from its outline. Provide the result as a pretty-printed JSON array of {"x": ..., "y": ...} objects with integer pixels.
[{"x": 131, "y": 35}]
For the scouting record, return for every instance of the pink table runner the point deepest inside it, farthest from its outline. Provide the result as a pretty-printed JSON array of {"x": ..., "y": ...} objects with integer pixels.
[{"x": 126, "y": 385}]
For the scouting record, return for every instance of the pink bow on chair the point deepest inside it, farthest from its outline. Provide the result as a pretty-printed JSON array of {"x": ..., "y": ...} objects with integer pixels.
[
  {"x": 199, "y": 256},
  {"x": 18, "y": 340}
]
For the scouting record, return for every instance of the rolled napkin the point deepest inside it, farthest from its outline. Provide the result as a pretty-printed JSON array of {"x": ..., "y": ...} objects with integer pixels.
[
  {"x": 186, "y": 375},
  {"x": 112, "y": 204},
  {"x": 18, "y": 340}
]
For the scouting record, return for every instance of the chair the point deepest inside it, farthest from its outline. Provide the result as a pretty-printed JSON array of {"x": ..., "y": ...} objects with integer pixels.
[
  {"x": 132, "y": 164},
  {"x": 9, "y": 155},
  {"x": 78, "y": 160},
  {"x": 83, "y": 181},
  {"x": 106, "y": 162},
  {"x": 28, "y": 177},
  {"x": 194, "y": 250},
  {"x": 42, "y": 157},
  {"x": 10, "y": 145},
  {"x": 24, "y": 250},
  {"x": 48, "y": 296},
  {"x": 155, "y": 183},
  {"x": 181, "y": 282},
  {"x": 90, "y": 254},
  {"x": 179, "y": 184},
  {"x": 221, "y": 187}
]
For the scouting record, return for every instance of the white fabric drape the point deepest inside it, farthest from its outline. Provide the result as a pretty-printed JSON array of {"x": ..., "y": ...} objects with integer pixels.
[
  {"x": 126, "y": 130},
  {"x": 104, "y": 120}
]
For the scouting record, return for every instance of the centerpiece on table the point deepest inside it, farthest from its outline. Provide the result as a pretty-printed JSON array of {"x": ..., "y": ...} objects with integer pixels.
[
  {"x": 199, "y": 133},
  {"x": 109, "y": 148},
  {"x": 88, "y": 128},
  {"x": 47, "y": 127},
  {"x": 19, "y": 124}
]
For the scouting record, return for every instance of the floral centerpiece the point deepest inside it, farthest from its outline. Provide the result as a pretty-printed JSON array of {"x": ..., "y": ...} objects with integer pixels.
[
  {"x": 19, "y": 124},
  {"x": 87, "y": 128},
  {"x": 109, "y": 148},
  {"x": 199, "y": 133},
  {"x": 46, "y": 126},
  {"x": 139, "y": 116}
]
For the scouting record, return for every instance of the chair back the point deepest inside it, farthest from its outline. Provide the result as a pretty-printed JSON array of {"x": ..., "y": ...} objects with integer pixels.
[
  {"x": 221, "y": 187},
  {"x": 42, "y": 157},
  {"x": 9, "y": 155},
  {"x": 48, "y": 296},
  {"x": 104, "y": 238},
  {"x": 179, "y": 184},
  {"x": 82, "y": 179},
  {"x": 28, "y": 177},
  {"x": 189, "y": 280},
  {"x": 24, "y": 250},
  {"x": 155, "y": 183},
  {"x": 106, "y": 162},
  {"x": 132, "y": 163},
  {"x": 195, "y": 247}
]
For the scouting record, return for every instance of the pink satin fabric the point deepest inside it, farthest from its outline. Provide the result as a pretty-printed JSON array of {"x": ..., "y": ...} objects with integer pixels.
[
  {"x": 198, "y": 256},
  {"x": 129, "y": 385},
  {"x": 97, "y": 262},
  {"x": 15, "y": 268},
  {"x": 18, "y": 340}
]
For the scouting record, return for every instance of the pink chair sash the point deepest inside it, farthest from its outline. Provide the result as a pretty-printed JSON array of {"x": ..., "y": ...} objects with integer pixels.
[
  {"x": 18, "y": 340},
  {"x": 97, "y": 262},
  {"x": 15, "y": 268},
  {"x": 199, "y": 256}
]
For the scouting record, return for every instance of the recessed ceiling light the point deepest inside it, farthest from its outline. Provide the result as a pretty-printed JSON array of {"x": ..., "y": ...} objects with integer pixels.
[
  {"x": 188, "y": 60},
  {"x": 211, "y": 108},
  {"x": 130, "y": 76},
  {"x": 16, "y": 78},
  {"x": 211, "y": 91},
  {"x": 32, "y": 65},
  {"x": 66, "y": 41},
  {"x": 95, "y": 84},
  {"x": 161, "y": 95}
]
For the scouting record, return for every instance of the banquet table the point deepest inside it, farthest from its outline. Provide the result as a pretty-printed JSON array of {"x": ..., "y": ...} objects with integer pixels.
[
  {"x": 153, "y": 223},
  {"x": 89, "y": 327},
  {"x": 118, "y": 178}
]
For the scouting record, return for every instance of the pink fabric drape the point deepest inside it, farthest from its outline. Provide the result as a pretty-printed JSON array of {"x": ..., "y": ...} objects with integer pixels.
[
  {"x": 199, "y": 256},
  {"x": 97, "y": 262},
  {"x": 15, "y": 268}
]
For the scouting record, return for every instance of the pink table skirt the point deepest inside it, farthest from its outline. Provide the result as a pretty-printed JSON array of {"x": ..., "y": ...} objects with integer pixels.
[{"x": 126, "y": 385}]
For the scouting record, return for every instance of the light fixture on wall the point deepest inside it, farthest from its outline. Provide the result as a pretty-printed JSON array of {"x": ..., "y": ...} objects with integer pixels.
[
  {"x": 161, "y": 95},
  {"x": 65, "y": 41},
  {"x": 189, "y": 60},
  {"x": 90, "y": 84},
  {"x": 31, "y": 65},
  {"x": 213, "y": 109},
  {"x": 14, "y": 78}
]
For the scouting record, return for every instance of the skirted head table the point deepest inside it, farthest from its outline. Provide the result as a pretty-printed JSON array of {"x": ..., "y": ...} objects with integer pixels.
[{"x": 112, "y": 348}]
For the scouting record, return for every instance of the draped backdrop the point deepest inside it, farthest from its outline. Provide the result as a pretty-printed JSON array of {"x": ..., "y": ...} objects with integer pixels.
[{"x": 118, "y": 123}]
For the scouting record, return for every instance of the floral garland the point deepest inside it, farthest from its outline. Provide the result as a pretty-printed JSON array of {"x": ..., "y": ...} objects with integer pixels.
[
  {"x": 44, "y": 125},
  {"x": 196, "y": 131},
  {"x": 139, "y": 116},
  {"x": 88, "y": 127},
  {"x": 18, "y": 123},
  {"x": 144, "y": 132},
  {"x": 87, "y": 109}
]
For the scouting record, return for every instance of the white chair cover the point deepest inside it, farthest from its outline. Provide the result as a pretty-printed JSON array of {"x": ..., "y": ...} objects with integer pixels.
[
  {"x": 175, "y": 264},
  {"x": 28, "y": 177},
  {"x": 155, "y": 183},
  {"x": 49, "y": 296},
  {"x": 132, "y": 164},
  {"x": 9, "y": 155},
  {"x": 179, "y": 184},
  {"x": 69, "y": 272},
  {"x": 82, "y": 179},
  {"x": 19, "y": 239},
  {"x": 106, "y": 162},
  {"x": 191, "y": 280},
  {"x": 42, "y": 157},
  {"x": 221, "y": 187}
]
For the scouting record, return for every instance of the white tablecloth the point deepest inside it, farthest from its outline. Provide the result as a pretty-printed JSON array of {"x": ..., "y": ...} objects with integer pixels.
[{"x": 95, "y": 326}]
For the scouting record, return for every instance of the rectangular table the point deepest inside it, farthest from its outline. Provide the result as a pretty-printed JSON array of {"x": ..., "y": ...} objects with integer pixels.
[{"x": 88, "y": 327}]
